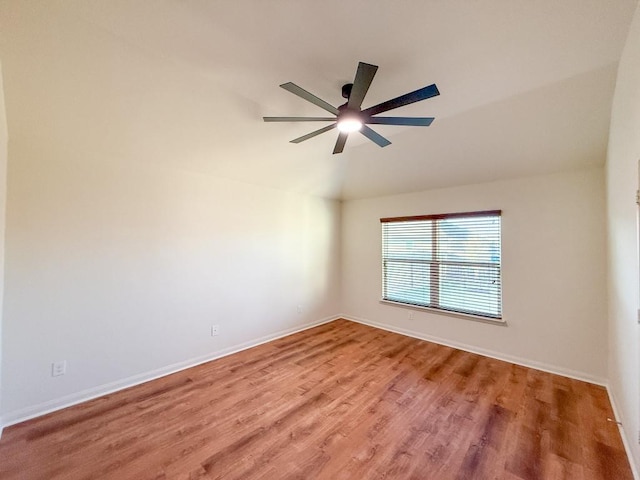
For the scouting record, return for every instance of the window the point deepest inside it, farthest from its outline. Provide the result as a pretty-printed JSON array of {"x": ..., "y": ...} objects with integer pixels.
[{"x": 449, "y": 262}]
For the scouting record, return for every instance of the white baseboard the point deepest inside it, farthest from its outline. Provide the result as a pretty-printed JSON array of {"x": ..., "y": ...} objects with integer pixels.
[
  {"x": 565, "y": 372},
  {"x": 625, "y": 440},
  {"x": 17, "y": 416}
]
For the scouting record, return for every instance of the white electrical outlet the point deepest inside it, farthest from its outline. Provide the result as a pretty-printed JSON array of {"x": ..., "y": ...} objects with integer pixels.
[
  {"x": 215, "y": 330},
  {"x": 410, "y": 316},
  {"x": 58, "y": 368},
  {"x": 299, "y": 308}
]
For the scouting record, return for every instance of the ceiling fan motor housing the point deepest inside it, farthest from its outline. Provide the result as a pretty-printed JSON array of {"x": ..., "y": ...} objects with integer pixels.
[
  {"x": 346, "y": 113},
  {"x": 346, "y": 90}
]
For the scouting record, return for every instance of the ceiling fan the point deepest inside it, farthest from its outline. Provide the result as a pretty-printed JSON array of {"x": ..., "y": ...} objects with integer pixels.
[{"x": 350, "y": 117}]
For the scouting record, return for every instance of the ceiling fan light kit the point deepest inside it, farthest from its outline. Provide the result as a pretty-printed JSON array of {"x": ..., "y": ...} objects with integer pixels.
[
  {"x": 350, "y": 117},
  {"x": 349, "y": 124}
]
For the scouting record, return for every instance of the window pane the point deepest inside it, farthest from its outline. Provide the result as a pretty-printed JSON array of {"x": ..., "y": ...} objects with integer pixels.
[
  {"x": 407, "y": 282},
  {"x": 470, "y": 289},
  {"x": 474, "y": 239},
  {"x": 408, "y": 240}
]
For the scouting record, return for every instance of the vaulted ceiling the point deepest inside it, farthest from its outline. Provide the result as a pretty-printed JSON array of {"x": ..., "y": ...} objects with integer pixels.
[{"x": 526, "y": 86}]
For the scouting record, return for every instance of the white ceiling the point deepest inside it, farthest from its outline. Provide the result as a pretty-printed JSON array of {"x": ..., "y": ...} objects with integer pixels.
[{"x": 526, "y": 86}]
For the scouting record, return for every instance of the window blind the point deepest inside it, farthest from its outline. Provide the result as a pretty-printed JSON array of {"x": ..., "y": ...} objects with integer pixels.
[{"x": 449, "y": 262}]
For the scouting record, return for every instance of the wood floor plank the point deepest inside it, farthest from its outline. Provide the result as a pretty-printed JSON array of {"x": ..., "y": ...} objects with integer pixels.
[{"x": 339, "y": 401}]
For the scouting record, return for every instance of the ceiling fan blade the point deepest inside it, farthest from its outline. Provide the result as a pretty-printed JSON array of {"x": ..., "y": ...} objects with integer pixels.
[
  {"x": 402, "y": 100},
  {"x": 410, "y": 121},
  {"x": 302, "y": 93},
  {"x": 374, "y": 136},
  {"x": 313, "y": 134},
  {"x": 361, "y": 84},
  {"x": 342, "y": 139},
  {"x": 299, "y": 119}
]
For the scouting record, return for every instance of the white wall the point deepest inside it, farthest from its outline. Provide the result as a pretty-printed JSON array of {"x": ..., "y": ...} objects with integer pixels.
[
  {"x": 121, "y": 269},
  {"x": 4, "y": 140},
  {"x": 622, "y": 182},
  {"x": 118, "y": 260},
  {"x": 553, "y": 256}
]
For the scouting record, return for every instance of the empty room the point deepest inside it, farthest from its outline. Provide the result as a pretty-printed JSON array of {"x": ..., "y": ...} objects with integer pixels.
[{"x": 296, "y": 239}]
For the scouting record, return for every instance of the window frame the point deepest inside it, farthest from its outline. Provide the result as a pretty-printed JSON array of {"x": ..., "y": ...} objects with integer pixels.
[{"x": 488, "y": 318}]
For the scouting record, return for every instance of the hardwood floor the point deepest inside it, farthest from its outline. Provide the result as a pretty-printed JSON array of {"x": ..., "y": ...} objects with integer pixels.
[{"x": 340, "y": 401}]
